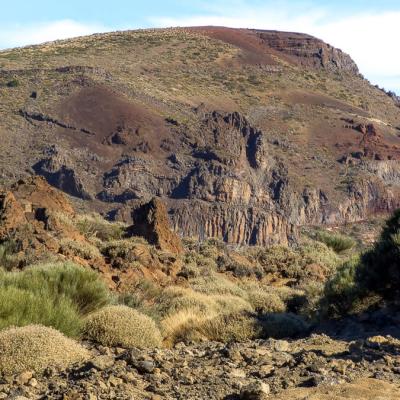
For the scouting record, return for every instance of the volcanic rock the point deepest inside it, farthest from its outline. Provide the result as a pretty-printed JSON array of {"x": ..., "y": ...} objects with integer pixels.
[{"x": 151, "y": 222}]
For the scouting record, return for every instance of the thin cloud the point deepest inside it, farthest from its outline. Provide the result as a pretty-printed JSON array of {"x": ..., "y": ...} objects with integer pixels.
[{"x": 15, "y": 36}]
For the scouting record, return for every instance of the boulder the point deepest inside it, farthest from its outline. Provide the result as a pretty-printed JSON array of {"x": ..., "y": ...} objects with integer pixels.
[{"x": 151, "y": 222}]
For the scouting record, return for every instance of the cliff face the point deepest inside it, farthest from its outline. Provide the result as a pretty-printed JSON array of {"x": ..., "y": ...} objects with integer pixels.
[
  {"x": 245, "y": 134},
  {"x": 309, "y": 51}
]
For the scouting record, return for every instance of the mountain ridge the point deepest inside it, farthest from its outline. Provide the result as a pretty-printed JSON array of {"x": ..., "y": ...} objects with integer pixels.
[{"x": 246, "y": 134}]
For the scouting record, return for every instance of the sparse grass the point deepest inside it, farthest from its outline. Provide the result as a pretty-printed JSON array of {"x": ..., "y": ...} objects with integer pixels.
[
  {"x": 36, "y": 348},
  {"x": 122, "y": 326}
]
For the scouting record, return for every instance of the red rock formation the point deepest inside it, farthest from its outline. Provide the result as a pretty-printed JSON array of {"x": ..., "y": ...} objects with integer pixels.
[{"x": 151, "y": 222}]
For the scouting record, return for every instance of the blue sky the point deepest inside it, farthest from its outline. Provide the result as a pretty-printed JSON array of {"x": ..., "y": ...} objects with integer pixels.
[{"x": 365, "y": 29}]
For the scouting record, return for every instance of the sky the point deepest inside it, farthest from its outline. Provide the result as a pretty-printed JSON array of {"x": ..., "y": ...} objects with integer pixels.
[{"x": 367, "y": 30}]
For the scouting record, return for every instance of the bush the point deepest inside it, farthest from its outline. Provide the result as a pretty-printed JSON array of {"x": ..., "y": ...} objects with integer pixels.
[
  {"x": 94, "y": 225},
  {"x": 122, "y": 326},
  {"x": 291, "y": 262},
  {"x": 216, "y": 284},
  {"x": 341, "y": 290},
  {"x": 35, "y": 348},
  {"x": 265, "y": 302},
  {"x": 83, "y": 250},
  {"x": 83, "y": 287},
  {"x": 19, "y": 307},
  {"x": 335, "y": 241},
  {"x": 189, "y": 326},
  {"x": 7, "y": 255},
  {"x": 369, "y": 280},
  {"x": 379, "y": 270},
  {"x": 234, "y": 327},
  {"x": 121, "y": 249}
]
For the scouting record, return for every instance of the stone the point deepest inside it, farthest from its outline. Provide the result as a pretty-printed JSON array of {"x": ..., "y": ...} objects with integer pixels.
[
  {"x": 151, "y": 222},
  {"x": 256, "y": 390},
  {"x": 24, "y": 377},
  {"x": 237, "y": 373},
  {"x": 33, "y": 382},
  {"x": 281, "y": 345},
  {"x": 145, "y": 367},
  {"x": 101, "y": 362},
  {"x": 114, "y": 381}
]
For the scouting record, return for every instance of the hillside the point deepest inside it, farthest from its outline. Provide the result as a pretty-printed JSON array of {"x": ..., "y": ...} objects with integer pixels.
[{"x": 245, "y": 134}]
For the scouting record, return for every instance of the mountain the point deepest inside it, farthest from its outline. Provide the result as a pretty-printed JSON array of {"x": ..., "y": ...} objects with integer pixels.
[{"x": 245, "y": 134}]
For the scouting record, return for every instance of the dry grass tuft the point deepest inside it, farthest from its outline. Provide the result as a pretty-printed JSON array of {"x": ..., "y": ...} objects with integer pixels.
[
  {"x": 36, "y": 347},
  {"x": 122, "y": 326}
]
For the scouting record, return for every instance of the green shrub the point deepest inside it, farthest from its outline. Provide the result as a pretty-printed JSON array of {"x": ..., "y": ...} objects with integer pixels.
[
  {"x": 83, "y": 287},
  {"x": 291, "y": 262},
  {"x": 34, "y": 348},
  {"x": 379, "y": 269},
  {"x": 342, "y": 289},
  {"x": 369, "y": 280},
  {"x": 19, "y": 307},
  {"x": 122, "y": 326},
  {"x": 337, "y": 242}
]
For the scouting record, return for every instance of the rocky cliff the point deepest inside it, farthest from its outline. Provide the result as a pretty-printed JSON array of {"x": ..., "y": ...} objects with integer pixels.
[{"x": 245, "y": 134}]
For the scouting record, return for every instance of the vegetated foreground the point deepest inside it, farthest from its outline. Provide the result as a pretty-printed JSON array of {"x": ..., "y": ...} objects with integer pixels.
[
  {"x": 195, "y": 143},
  {"x": 91, "y": 309}
]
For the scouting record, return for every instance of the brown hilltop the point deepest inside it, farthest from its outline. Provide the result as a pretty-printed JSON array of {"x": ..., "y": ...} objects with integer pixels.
[{"x": 244, "y": 133}]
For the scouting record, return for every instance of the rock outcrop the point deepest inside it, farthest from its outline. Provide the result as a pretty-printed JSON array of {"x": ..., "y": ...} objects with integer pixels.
[
  {"x": 309, "y": 51},
  {"x": 12, "y": 214},
  {"x": 151, "y": 222},
  {"x": 251, "y": 134}
]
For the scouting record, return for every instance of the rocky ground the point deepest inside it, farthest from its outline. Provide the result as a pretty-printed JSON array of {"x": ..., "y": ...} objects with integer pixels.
[{"x": 317, "y": 367}]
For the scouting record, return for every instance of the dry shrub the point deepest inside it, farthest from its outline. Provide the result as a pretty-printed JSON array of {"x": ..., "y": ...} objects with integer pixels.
[
  {"x": 234, "y": 327},
  {"x": 266, "y": 302},
  {"x": 122, "y": 326},
  {"x": 175, "y": 299},
  {"x": 95, "y": 226},
  {"x": 179, "y": 327},
  {"x": 83, "y": 250},
  {"x": 190, "y": 326},
  {"x": 36, "y": 347},
  {"x": 216, "y": 284}
]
